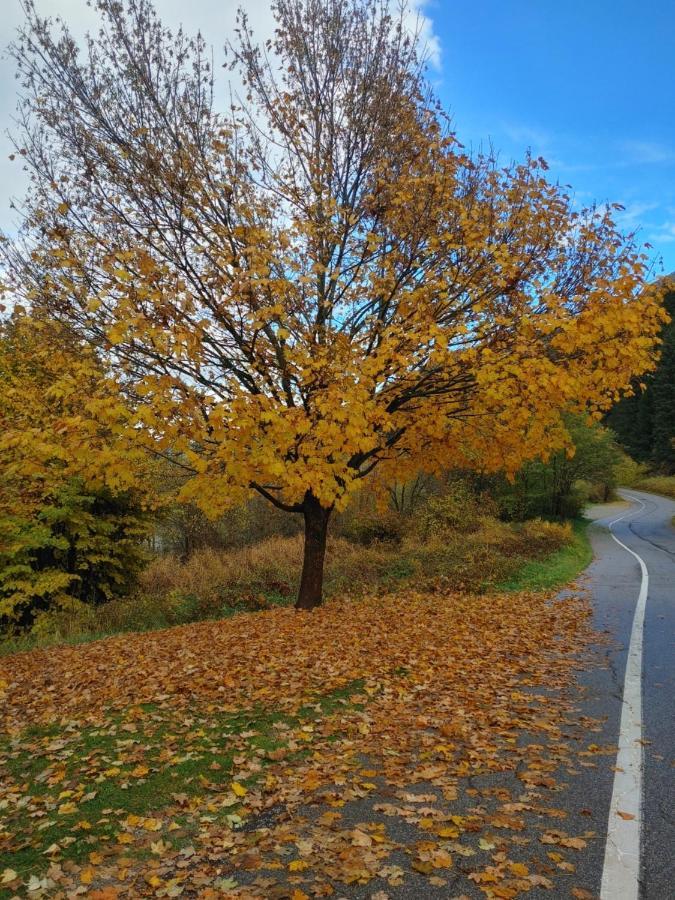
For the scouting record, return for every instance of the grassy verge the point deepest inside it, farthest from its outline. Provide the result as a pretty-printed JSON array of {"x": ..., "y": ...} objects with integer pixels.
[
  {"x": 657, "y": 484},
  {"x": 217, "y": 584},
  {"x": 557, "y": 569}
]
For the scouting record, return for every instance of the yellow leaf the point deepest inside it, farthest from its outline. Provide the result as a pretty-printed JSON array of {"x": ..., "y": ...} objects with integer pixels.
[
  {"x": 67, "y": 808},
  {"x": 519, "y": 869},
  {"x": 239, "y": 789},
  {"x": 298, "y": 865}
]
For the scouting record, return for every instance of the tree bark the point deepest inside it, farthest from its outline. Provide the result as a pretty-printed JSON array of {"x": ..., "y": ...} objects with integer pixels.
[{"x": 316, "y": 529}]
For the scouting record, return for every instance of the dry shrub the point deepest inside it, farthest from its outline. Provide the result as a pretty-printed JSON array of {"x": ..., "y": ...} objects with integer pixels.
[
  {"x": 228, "y": 577},
  {"x": 214, "y": 583},
  {"x": 657, "y": 484}
]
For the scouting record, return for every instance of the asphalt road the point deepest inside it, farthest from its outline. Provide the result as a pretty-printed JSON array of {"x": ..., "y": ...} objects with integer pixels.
[{"x": 614, "y": 579}]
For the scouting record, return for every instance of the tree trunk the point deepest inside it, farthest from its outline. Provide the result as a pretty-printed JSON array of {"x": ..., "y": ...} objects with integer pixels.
[{"x": 316, "y": 529}]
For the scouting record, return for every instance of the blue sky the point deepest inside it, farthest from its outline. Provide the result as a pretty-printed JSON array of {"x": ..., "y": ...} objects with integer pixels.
[{"x": 588, "y": 85}]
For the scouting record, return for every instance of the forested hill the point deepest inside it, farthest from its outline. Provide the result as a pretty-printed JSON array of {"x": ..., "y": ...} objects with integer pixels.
[{"x": 645, "y": 423}]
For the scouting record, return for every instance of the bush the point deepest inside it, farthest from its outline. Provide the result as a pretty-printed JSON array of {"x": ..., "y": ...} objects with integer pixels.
[
  {"x": 458, "y": 509},
  {"x": 657, "y": 484},
  {"x": 81, "y": 548},
  {"x": 561, "y": 487},
  {"x": 369, "y": 527}
]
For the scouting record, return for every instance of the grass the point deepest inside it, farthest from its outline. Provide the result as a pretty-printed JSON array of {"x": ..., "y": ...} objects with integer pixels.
[
  {"x": 215, "y": 584},
  {"x": 656, "y": 484},
  {"x": 91, "y": 788},
  {"x": 556, "y": 569}
]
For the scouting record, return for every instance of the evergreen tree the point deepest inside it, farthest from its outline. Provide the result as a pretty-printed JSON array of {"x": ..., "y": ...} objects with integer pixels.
[{"x": 645, "y": 423}]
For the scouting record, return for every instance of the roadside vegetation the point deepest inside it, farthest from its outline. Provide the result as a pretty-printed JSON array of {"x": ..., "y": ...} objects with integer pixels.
[
  {"x": 557, "y": 569},
  {"x": 655, "y": 484}
]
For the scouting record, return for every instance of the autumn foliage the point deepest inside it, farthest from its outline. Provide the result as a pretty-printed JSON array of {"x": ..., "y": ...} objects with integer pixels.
[
  {"x": 321, "y": 282},
  {"x": 71, "y": 496}
]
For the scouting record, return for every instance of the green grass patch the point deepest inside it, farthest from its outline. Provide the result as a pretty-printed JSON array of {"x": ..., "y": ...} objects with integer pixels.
[
  {"x": 555, "y": 570},
  {"x": 74, "y": 788}
]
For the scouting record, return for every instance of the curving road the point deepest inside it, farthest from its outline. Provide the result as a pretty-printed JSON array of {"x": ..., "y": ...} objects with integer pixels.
[{"x": 632, "y": 586}]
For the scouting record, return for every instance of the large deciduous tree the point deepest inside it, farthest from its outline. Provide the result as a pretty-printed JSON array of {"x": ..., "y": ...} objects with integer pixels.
[{"x": 316, "y": 281}]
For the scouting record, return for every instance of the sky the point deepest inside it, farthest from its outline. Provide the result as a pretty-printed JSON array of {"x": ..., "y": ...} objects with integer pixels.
[{"x": 587, "y": 84}]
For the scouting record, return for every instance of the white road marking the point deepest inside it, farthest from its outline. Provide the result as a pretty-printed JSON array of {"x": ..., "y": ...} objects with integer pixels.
[{"x": 621, "y": 869}]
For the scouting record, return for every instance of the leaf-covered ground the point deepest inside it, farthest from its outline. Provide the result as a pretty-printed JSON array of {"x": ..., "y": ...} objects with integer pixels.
[{"x": 401, "y": 746}]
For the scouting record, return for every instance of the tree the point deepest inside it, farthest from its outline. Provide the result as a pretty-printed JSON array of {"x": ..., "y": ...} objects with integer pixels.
[
  {"x": 551, "y": 487},
  {"x": 71, "y": 496},
  {"x": 645, "y": 421},
  {"x": 318, "y": 282},
  {"x": 81, "y": 545}
]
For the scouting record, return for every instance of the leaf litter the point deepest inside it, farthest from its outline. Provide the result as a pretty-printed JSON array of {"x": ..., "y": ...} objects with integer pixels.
[{"x": 350, "y": 751}]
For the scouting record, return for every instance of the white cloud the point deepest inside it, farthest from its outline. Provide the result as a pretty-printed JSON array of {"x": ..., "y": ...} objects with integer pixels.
[
  {"x": 215, "y": 19},
  {"x": 663, "y": 233},
  {"x": 649, "y": 152},
  {"x": 421, "y": 22},
  {"x": 528, "y": 136},
  {"x": 634, "y": 214}
]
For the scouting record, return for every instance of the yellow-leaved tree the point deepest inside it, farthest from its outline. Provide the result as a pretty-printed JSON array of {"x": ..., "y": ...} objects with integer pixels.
[
  {"x": 72, "y": 485},
  {"x": 318, "y": 282}
]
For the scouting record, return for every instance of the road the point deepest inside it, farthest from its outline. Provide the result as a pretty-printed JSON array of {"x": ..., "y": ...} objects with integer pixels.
[{"x": 639, "y": 857}]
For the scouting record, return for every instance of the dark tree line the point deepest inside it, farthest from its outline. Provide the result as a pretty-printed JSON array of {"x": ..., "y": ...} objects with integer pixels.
[{"x": 645, "y": 422}]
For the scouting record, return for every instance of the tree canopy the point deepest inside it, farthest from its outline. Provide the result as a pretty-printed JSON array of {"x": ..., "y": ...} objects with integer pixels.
[{"x": 319, "y": 281}]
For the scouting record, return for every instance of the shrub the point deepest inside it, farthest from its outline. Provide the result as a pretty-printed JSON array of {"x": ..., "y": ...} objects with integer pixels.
[
  {"x": 458, "y": 509},
  {"x": 370, "y": 527},
  {"x": 657, "y": 484},
  {"x": 81, "y": 548}
]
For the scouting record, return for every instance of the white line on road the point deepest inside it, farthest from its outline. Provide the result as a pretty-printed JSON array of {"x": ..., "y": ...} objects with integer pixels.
[{"x": 621, "y": 869}]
